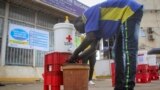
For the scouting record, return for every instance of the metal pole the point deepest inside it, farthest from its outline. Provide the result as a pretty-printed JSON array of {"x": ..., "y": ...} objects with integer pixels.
[
  {"x": 4, "y": 35},
  {"x": 109, "y": 50}
]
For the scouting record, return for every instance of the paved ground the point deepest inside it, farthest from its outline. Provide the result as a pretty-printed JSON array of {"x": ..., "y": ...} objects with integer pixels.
[{"x": 104, "y": 84}]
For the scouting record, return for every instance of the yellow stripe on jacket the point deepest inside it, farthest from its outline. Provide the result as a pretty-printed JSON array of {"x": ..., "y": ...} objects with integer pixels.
[{"x": 116, "y": 14}]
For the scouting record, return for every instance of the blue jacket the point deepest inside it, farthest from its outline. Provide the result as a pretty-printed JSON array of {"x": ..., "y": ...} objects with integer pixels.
[{"x": 105, "y": 18}]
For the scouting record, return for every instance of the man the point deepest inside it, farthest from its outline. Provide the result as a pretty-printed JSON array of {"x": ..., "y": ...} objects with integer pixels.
[
  {"x": 113, "y": 17},
  {"x": 92, "y": 61}
]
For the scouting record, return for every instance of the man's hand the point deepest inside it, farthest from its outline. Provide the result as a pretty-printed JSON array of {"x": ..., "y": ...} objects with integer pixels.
[{"x": 73, "y": 59}]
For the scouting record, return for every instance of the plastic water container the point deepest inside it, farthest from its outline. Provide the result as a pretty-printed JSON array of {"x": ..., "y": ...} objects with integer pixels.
[
  {"x": 142, "y": 59},
  {"x": 64, "y": 34},
  {"x": 152, "y": 60}
]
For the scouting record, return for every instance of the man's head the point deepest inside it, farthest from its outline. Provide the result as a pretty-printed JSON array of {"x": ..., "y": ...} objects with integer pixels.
[{"x": 79, "y": 24}]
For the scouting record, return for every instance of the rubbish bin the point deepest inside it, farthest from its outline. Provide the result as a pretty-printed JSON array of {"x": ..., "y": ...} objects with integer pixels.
[{"x": 75, "y": 76}]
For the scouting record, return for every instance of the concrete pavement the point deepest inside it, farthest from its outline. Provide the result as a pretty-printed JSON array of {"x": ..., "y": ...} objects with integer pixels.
[{"x": 101, "y": 84}]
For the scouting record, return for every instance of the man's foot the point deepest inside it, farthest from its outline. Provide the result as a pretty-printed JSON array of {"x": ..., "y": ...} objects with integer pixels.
[{"x": 91, "y": 82}]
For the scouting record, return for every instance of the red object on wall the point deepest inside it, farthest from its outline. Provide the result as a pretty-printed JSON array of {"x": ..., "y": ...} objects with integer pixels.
[
  {"x": 113, "y": 73},
  {"x": 53, "y": 75}
]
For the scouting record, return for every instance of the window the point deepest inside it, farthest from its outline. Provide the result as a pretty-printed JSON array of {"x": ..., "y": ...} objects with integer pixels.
[{"x": 142, "y": 33}]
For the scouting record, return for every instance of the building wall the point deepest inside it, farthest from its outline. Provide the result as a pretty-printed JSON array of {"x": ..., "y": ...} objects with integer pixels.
[
  {"x": 103, "y": 67},
  {"x": 150, "y": 4},
  {"x": 24, "y": 65},
  {"x": 23, "y": 15},
  {"x": 151, "y": 19},
  {"x": 146, "y": 43},
  {"x": 20, "y": 74}
]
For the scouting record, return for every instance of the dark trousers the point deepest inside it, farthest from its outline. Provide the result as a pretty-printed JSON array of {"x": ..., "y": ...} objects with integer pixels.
[
  {"x": 92, "y": 61},
  {"x": 126, "y": 47}
]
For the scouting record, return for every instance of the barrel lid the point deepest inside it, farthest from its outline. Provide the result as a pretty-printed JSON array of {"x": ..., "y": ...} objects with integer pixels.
[
  {"x": 63, "y": 25},
  {"x": 75, "y": 66},
  {"x": 66, "y": 24}
]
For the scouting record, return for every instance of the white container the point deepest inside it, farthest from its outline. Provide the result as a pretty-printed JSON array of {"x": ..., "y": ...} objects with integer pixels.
[
  {"x": 142, "y": 59},
  {"x": 64, "y": 37},
  {"x": 152, "y": 60},
  {"x": 144, "y": 52}
]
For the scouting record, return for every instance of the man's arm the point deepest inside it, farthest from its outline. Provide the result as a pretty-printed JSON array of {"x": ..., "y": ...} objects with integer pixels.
[
  {"x": 91, "y": 40},
  {"x": 90, "y": 50}
]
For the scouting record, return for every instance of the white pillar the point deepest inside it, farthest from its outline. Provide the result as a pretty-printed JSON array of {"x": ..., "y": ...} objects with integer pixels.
[
  {"x": 101, "y": 49},
  {"x": 4, "y": 35},
  {"x": 101, "y": 44},
  {"x": 34, "y": 51}
]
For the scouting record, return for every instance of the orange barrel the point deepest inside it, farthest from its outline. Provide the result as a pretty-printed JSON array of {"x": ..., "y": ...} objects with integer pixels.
[{"x": 75, "y": 76}]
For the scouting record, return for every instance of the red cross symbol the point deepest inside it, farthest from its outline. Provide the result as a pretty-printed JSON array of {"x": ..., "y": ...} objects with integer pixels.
[{"x": 69, "y": 38}]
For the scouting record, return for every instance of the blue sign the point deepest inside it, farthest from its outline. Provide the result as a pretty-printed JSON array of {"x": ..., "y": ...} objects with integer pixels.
[
  {"x": 28, "y": 38},
  {"x": 19, "y": 34},
  {"x": 39, "y": 39},
  {"x": 71, "y": 6}
]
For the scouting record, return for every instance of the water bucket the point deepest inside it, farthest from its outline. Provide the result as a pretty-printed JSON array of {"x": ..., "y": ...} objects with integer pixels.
[{"x": 64, "y": 34}]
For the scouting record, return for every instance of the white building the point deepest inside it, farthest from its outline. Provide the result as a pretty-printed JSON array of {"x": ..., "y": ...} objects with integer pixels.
[
  {"x": 26, "y": 64},
  {"x": 20, "y": 64},
  {"x": 150, "y": 26}
]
